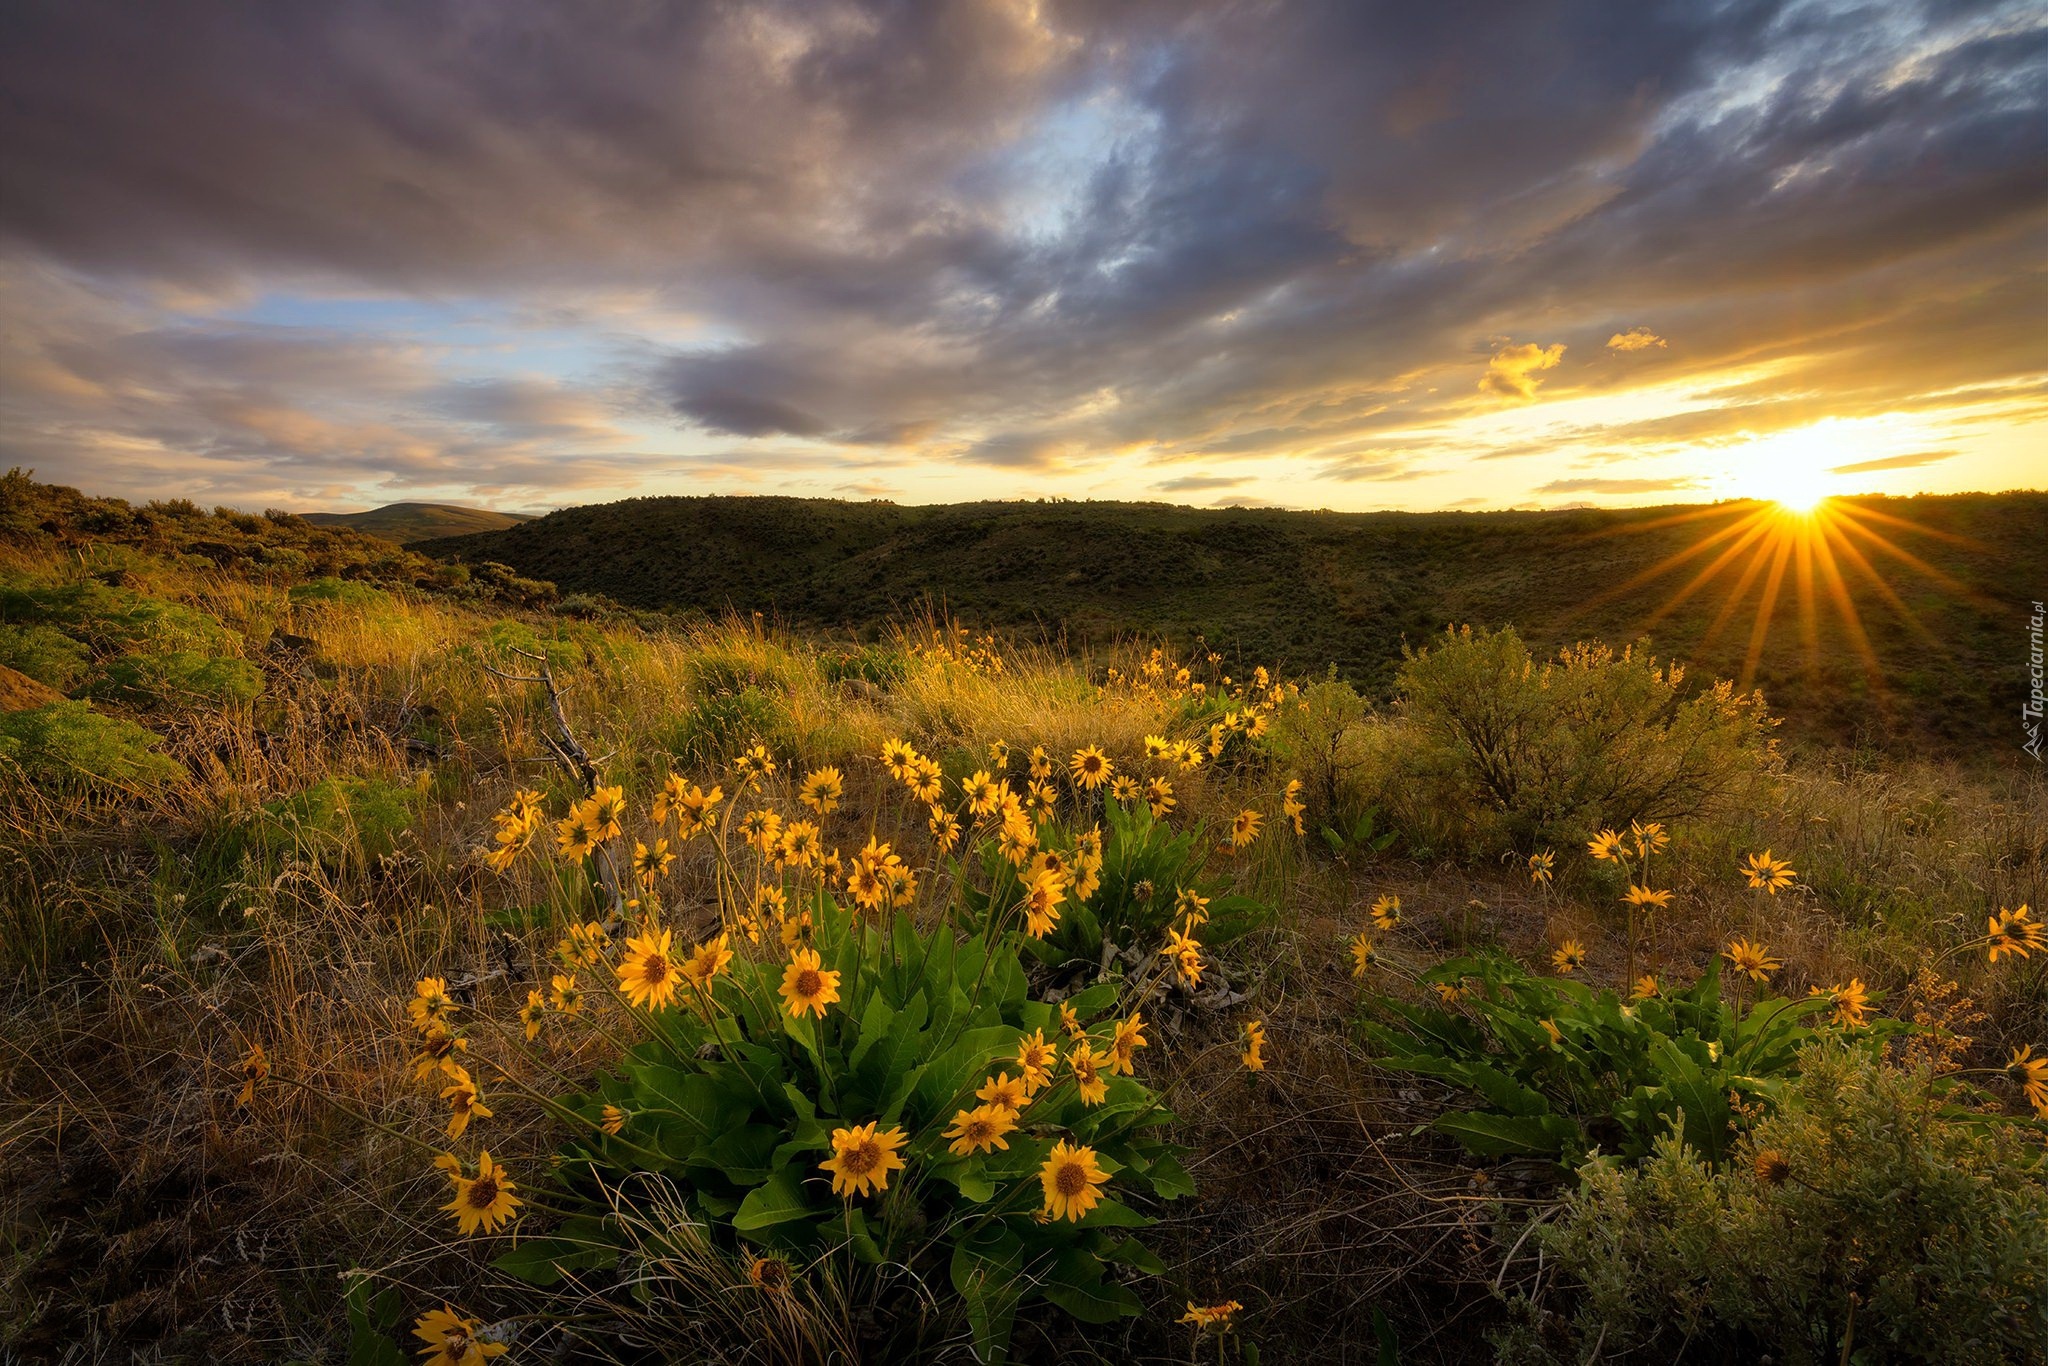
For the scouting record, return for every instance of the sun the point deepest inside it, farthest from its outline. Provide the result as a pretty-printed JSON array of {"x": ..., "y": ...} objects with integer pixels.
[{"x": 1793, "y": 469}]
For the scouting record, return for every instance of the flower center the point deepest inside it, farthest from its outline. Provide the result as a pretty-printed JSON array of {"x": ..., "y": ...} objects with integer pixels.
[
  {"x": 859, "y": 1161},
  {"x": 483, "y": 1192},
  {"x": 1072, "y": 1180},
  {"x": 808, "y": 983},
  {"x": 656, "y": 969}
]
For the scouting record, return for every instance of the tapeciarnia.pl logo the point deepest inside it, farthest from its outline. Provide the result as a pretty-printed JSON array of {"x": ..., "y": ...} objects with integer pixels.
[{"x": 2030, "y": 710}]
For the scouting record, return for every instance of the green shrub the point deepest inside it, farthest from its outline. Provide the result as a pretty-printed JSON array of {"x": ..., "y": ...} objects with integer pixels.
[
  {"x": 1868, "y": 1222},
  {"x": 1615, "y": 1076},
  {"x": 875, "y": 664},
  {"x": 1493, "y": 751},
  {"x": 177, "y": 678},
  {"x": 330, "y": 592},
  {"x": 112, "y": 619},
  {"x": 45, "y": 654},
  {"x": 722, "y": 670},
  {"x": 67, "y": 746},
  {"x": 337, "y": 817},
  {"x": 713, "y": 727},
  {"x": 731, "y": 1105}
]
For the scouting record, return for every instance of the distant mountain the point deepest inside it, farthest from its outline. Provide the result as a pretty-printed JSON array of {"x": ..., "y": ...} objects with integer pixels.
[
  {"x": 1311, "y": 590},
  {"x": 408, "y": 522}
]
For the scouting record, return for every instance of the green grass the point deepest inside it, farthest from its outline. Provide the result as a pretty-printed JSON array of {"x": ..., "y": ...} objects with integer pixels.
[{"x": 1311, "y": 591}]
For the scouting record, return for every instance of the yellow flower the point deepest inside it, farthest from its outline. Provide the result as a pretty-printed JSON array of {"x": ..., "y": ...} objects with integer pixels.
[
  {"x": 900, "y": 759},
  {"x": 483, "y": 1201},
  {"x": 606, "y": 808},
  {"x": 1645, "y": 987},
  {"x": 1072, "y": 1181},
  {"x": 862, "y": 1159},
  {"x": 1244, "y": 828},
  {"x": 926, "y": 783},
  {"x": 1090, "y": 768},
  {"x": 1606, "y": 846},
  {"x": 1386, "y": 912},
  {"x": 1766, "y": 873},
  {"x": 822, "y": 790},
  {"x": 693, "y": 809},
  {"x": 755, "y": 763},
  {"x": 1448, "y": 993},
  {"x": 1542, "y": 867},
  {"x": 437, "y": 1053},
  {"x": 647, "y": 974},
  {"x": 1255, "y": 1046},
  {"x": 980, "y": 1130},
  {"x": 1041, "y": 764},
  {"x": 451, "y": 1339},
  {"x": 1640, "y": 897},
  {"x": 612, "y": 1120},
  {"x": 1006, "y": 1091},
  {"x": 466, "y": 1103},
  {"x": 706, "y": 961},
  {"x": 801, "y": 842},
  {"x": 807, "y": 985},
  {"x": 583, "y": 946},
  {"x": 1156, "y": 747},
  {"x": 1752, "y": 958},
  {"x": 532, "y": 1013},
  {"x": 999, "y": 753},
  {"x": 1556, "y": 1036},
  {"x": 576, "y": 833},
  {"x": 1852, "y": 1002},
  {"x": 649, "y": 864},
  {"x": 564, "y": 994},
  {"x": 2015, "y": 932},
  {"x": 1124, "y": 788},
  {"x": 1159, "y": 797},
  {"x": 1042, "y": 899},
  {"x": 1210, "y": 1317},
  {"x": 1649, "y": 838},
  {"x": 431, "y": 1007},
  {"x": 1035, "y": 1059},
  {"x": 1772, "y": 1167},
  {"x": 255, "y": 1071},
  {"x": 1362, "y": 955},
  {"x": 984, "y": 794},
  {"x": 1186, "y": 951},
  {"x": 762, "y": 830},
  {"x": 1569, "y": 956},
  {"x": 1192, "y": 906},
  {"x": 1124, "y": 1044},
  {"x": 1291, "y": 805},
  {"x": 768, "y": 1273},
  {"x": 2031, "y": 1075},
  {"x": 945, "y": 828},
  {"x": 1088, "y": 1067}
]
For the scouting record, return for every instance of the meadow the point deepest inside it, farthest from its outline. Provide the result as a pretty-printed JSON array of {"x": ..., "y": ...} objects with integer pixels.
[{"x": 397, "y": 955}]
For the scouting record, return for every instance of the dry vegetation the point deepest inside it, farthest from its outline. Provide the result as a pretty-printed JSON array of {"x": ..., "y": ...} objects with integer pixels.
[{"x": 318, "y": 851}]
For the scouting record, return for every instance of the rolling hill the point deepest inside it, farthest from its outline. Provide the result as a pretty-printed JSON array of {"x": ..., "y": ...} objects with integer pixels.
[
  {"x": 409, "y": 522},
  {"x": 1943, "y": 609}
]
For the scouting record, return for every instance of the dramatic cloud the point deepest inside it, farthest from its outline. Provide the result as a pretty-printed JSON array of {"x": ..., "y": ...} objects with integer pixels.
[
  {"x": 1910, "y": 461},
  {"x": 1635, "y": 339},
  {"x": 535, "y": 254},
  {"x": 1512, "y": 372}
]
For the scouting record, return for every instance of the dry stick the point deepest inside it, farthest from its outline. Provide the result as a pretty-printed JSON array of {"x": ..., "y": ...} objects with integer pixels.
[{"x": 570, "y": 753}]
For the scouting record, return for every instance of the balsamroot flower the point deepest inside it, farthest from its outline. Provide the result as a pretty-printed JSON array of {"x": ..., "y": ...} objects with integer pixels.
[
  {"x": 1752, "y": 958},
  {"x": 862, "y": 1159},
  {"x": 807, "y": 985},
  {"x": 980, "y": 1130},
  {"x": 1569, "y": 956},
  {"x": 451, "y": 1339},
  {"x": 484, "y": 1201},
  {"x": 648, "y": 973},
  {"x": 1072, "y": 1181}
]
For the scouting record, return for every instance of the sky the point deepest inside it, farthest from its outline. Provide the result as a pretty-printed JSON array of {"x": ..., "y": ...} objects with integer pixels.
[{"x": 1349, "y": 255}]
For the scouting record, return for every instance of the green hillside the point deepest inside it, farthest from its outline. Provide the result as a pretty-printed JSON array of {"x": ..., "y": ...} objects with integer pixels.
[
  {"x": 1316, "y": 589},
  {"x": 408, "y": 522}
]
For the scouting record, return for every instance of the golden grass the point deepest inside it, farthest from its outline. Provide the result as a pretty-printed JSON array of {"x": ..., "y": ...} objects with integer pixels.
[{"x": 150, "y": 942}]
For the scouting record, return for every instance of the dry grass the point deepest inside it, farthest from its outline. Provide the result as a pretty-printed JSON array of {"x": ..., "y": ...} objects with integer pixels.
[{"x": 149, "y": 941}]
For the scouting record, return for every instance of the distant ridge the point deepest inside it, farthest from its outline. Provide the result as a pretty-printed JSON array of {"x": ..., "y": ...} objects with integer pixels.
[
  {"x": 1309, "y": 590},
  {"x": 408, "y": 522}
]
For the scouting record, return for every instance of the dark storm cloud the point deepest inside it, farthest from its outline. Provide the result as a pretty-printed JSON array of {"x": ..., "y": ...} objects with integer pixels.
[{"x": 1018, "y": 240}]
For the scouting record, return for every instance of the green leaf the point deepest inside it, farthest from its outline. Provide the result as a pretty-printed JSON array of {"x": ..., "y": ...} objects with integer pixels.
[
  {"x": 543, "y": 1261},
  {"x": 1075, "y": 1284},
  {"x": 1170, "y": 1180},
  {"x": 778, "y": 1200}
]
